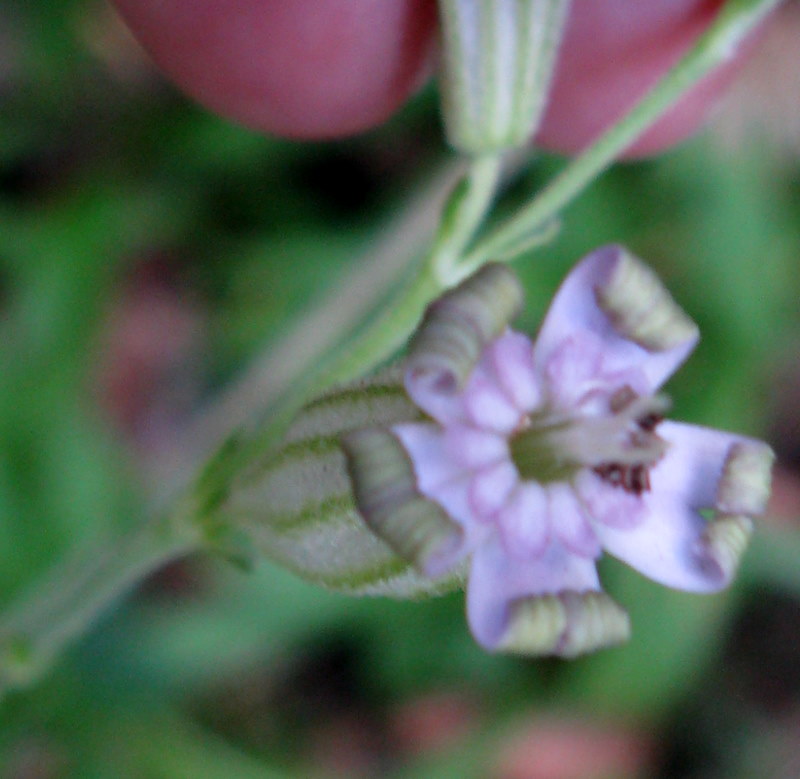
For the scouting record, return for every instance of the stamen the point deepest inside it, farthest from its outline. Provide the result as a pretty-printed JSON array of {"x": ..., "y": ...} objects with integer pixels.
[
  {"x": 631, "y": 478},
  {"x": 622, "y": 398}
]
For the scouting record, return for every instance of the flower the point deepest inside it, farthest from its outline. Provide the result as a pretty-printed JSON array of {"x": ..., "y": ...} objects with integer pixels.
[{"x": 535, "y": 458}]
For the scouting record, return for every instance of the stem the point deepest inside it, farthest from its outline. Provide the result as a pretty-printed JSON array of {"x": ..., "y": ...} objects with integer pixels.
[
  {"x": 717, "y": 45},
  {"x": 294, "y": 358},
  {"x": 464, "y": 213},
  {"x": 64, "y": 605}
]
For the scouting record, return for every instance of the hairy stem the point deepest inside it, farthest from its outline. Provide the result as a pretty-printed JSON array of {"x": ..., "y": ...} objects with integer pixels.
[{"x": 74, "y": 594}]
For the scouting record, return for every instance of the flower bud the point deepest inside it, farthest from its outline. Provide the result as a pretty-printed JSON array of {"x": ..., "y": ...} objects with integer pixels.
[{"x": 498, "y": 64}]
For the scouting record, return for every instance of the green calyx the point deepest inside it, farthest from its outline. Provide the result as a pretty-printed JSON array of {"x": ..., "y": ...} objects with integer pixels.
[{"x": 498, "y": 62}]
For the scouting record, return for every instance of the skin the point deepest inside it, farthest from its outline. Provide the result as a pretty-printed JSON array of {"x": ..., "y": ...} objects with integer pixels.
[{"x": 330, "y": 68}]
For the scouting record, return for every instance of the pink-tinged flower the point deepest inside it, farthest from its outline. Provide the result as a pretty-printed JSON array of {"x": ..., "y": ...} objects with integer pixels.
[{"x": 536, "y": 457}]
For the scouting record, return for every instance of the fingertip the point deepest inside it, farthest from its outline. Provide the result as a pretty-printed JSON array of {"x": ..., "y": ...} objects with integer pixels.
[
  {"x": 611, "y": 56},
  {"x": 302, "y": 69}
]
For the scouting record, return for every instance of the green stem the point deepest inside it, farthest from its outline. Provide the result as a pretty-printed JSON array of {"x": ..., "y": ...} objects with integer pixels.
[
  {"x": 63, "y": 606},
  {"x": 716, "y": 46},
  {"x": 294, "y": 358},
  {"x": 463, "y": 214}
]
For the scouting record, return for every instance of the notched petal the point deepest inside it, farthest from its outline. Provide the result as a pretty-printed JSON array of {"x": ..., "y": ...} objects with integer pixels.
[
  {"x": 456, "y": 329},
  {"x": 388, "y": 499},
  {"x": 488, "y": 407},
  {"x": 511, "y": 360},
  {"x": 746, "y": 479},
  {"x": 721, "y": 547},
  {"x": 566, "y": 624},
  {"x": 640, "y": 307},
  {"x": 609, "y": 296},
  {"x": 524, "y": 523}
]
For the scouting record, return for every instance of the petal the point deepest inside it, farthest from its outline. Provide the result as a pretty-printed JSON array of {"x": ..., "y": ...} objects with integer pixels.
[
  {"x": 667, "y": 546},
  {"x": 443, "y": 403},
  {"x": 511, "y": 358},
  {"x": 570, "y": 523},
  {"x": 427, "y": 446},
  {"x": 491, "y": 487},
  {"x": 573, "y": 369},
  {"x": 497, "y": 579},
  {"x": 386, "y": 493},
  {"x": 453, "y": 336},
  {"x": 692, "y": 466},
  {"x": 524, "y": 523},
  {"x": 575, "y": 310},
  {"x": 487, "y": 406},
  {"x": 444, "y": 480},
  {"x": 472, "y": 448},
  {"x": 608, "y": 504}
]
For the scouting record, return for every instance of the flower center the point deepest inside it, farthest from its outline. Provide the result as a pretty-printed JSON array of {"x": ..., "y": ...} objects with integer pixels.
[{"x": 620, "y": 446}]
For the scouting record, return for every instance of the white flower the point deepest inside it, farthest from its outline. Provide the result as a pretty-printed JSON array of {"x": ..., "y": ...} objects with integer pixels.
[{"x": 543, "y": 455}]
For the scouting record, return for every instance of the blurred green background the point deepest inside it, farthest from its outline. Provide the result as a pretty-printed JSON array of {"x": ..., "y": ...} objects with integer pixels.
[{"x": 148, "y": 250}]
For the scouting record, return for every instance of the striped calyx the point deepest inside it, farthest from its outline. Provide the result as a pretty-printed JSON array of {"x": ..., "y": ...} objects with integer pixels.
[
  {"x": 296, "y": 505},
  {"x": 641, "y": 308},
  {"x": 498, "y": 62},
  {"x": 458, "y": 326},
  {"x": 387, "y": 497},
  {"x": 566, "y": 624}
]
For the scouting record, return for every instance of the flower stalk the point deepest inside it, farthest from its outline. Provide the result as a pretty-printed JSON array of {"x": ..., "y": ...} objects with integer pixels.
[
  {"x": 719, "y": 43},
  {"x": 76, "y": 593}
]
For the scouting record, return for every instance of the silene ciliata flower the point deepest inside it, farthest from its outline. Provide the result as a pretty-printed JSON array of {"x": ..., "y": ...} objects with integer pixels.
[{"x": 533, "y": 458}]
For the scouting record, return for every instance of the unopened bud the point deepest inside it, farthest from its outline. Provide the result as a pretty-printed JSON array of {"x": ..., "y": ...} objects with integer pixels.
[{"x": 498, "y": 65}]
